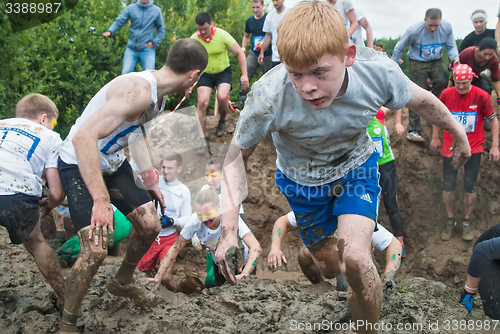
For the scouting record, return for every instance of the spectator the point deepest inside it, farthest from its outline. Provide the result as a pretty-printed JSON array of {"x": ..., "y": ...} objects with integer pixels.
[
  {"x": 28, "y": 147},
  {"x": 144, "y": 19},
  {"x": 253, "y": 31},
  {"x": 217, "y": 74},
  {"x": 469, "y": 105},
  {"x": 346, "y": 8},
  {"x": 357, "y": 36},
  {"x": 270, "y": 27},
  {"x": 427, "y": 40},
  {"x": 480, "y": 32}
]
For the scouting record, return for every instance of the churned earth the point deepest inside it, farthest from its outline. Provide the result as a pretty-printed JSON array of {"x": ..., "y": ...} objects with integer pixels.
[{"x": 422, "y": 298}]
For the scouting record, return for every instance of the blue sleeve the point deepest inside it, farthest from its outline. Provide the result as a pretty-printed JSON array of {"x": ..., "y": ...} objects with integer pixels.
[
  {"x": 451, "y": 46},
  {"x": 120, "y": 20},
  {"x": 403, "y": 42},
  {"x": 160, "y": 29}
]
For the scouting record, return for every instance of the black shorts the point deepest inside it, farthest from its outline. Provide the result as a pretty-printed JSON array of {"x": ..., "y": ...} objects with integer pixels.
[
  {"x": 471, "y": 172},
  {"x": 214, "y": 80},
  {"x": 19, "y": 214},
  {"x": 122, "y": 189}
]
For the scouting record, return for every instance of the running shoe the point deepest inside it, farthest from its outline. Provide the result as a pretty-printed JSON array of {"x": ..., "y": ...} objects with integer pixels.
[
  {"x": 448, "y": 230},
  {"x": 415, "y": 136}
]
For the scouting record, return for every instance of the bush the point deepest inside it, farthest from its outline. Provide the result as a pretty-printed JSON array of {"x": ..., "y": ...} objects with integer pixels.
[{"x": 62, "y": 60}]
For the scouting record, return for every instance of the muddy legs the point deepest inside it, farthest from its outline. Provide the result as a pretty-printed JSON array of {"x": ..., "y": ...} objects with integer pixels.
[
  {"x": 79, "y": 278},
  {"x": 46, "y": 260}
]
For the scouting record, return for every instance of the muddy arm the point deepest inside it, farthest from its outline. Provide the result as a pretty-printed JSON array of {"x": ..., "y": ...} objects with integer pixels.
[
  {"x": 279, "y": 232},
  {"x": 168, "y": 260},
  {"x": 253, "y": 254}
]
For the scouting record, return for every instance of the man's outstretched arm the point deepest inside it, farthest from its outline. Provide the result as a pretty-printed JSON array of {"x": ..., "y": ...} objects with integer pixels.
[
  {"x": 233, "y": 192},
  {"x": 427, "y": 106}
]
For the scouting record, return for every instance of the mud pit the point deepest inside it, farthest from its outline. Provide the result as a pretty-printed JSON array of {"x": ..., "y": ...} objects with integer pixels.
[{"x": 423, "y": 295}]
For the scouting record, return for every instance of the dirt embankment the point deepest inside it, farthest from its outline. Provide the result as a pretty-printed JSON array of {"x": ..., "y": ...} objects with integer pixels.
[{"x": 276, "y": 302}]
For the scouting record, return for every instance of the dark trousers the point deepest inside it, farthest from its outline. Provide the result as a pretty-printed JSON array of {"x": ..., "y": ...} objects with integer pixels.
[
  {"x": 389, "y": 184},
  {"x": 419, "y": 72},
  {"x": 482, "y": 83}
]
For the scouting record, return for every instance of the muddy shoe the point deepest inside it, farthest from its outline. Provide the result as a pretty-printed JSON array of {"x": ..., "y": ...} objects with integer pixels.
[
  {"x": 221, "y": 129},
  {"x": 448, "y": 230},
  {"x": 131, "y": 290},
  {"x": 466, "y": 232},
  {"x": 415, "y": 136},
  {"x": 202, "y": 147}
]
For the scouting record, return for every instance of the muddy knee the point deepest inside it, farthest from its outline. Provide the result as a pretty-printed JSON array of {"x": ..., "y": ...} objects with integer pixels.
[{"x": 358, "y": 270}]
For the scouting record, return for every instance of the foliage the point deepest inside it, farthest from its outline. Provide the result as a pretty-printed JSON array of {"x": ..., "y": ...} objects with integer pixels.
[{"x": 63, "y": 60}]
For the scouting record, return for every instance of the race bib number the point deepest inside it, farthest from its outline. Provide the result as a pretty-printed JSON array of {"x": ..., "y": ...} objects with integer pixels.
[
  {"x": 378, "y": 145},
  {"x": 18, "y": 141},
  {"x": 431, "y": 51},
  {"x": 257, "y": 43},
  {"x": 467, "y": 119}
]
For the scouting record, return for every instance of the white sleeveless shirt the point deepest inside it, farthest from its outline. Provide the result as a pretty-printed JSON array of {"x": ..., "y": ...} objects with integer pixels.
[{"x": 111, "y": 147}]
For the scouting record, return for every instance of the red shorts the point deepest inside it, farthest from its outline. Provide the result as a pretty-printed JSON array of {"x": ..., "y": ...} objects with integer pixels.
[{"x": 156, "y": 252}]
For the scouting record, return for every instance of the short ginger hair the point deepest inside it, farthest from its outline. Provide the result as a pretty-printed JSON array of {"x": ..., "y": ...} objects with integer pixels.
[
  {"x": 308, "y": 31},
  {"x": 32, "y": 105}
]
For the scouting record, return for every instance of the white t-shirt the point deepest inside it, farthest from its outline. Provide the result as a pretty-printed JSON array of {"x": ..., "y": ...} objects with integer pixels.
[
  {"x": 26, "y": 149},
  {"x": 111, "y": 147},
  {"x": 206, "y": 186},
  {"x": 209, "y": 237},
  {"x": 344, "y": 6},
  {"x": 177, "y": 204},
  {"x": 271, "y": 24},
  {"x": 316, "y": 147},
  {"x": 357, "y": 36},
  {"x": 381, "y": 238}
]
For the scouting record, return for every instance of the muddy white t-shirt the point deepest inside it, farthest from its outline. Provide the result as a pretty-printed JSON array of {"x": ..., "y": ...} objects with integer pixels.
[
  {"x": 381, "y": 238},
  {"x": 26, "y": 149},
  {"x": 209, "y": 237},
  {"x": 111, "y": 147},
  {"x": 315, "y": 147}
]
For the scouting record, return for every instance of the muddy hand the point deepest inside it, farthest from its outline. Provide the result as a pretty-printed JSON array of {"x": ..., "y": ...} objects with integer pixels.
[
  {"x": 101, "y": 224},
  {"x": 275, "y": 258},
  {"x": 233, "y": 261},
  {"x": 460, "y": 155}
]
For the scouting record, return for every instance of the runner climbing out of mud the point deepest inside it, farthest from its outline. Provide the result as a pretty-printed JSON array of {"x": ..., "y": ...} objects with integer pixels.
[
  {"x": 206, "y": 224},
  {"x": 484, "y": 267},
  {"x": 472, "y": 106},
  {"x": 311, "y": 267},
  {"x": 94, "y": 171},
  {"x": 28, "y": 147},
  {"x": 317, "y": 105}
]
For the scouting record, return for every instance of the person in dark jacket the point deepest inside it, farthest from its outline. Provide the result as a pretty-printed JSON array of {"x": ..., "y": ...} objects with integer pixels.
[
  {"x": 483, "y": 272},
  {"x": 144, "y": 18}
]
